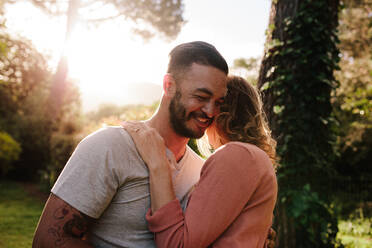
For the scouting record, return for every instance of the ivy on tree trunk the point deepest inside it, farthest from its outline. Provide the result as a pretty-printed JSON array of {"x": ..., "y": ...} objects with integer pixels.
[{"x": 296, "y": 79}]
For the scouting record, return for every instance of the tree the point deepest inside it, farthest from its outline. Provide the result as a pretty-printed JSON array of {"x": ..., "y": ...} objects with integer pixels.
[
  {"x": 250, "y": 67},
  {"x": 22, "y": 69},
  {"x": 9, "y": 152},
  {"x": 23, "y": 72},
  {"x": 353, "y": 105},
  {"x": 25, "y": 81},
  {"x": 296, "y": 78},
  {"x": 150, "y": 16}
]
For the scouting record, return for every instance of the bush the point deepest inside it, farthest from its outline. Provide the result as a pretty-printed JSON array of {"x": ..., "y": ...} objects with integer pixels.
[
  {"x": 9, "y": 152},
  {"x": 62, "y": 146}
]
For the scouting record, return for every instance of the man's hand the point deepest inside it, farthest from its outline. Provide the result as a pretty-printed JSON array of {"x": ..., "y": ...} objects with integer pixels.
[{"x": 270, "y": 241}]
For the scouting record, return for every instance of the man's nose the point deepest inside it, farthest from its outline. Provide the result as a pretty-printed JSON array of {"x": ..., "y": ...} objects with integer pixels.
[{"x": 210, "y": 109}]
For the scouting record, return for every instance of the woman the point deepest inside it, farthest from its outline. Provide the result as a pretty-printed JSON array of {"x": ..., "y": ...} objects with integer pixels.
[{"x": 232, "y": 204}]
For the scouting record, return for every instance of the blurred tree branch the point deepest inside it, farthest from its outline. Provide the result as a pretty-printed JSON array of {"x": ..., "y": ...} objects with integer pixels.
[
  {"x": 149, "y": 16},
  {"x": 162, "y": 16}
]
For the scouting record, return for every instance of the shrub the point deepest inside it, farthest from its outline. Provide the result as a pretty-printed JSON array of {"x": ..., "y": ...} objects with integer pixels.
[{"x": 9, "y": 152}]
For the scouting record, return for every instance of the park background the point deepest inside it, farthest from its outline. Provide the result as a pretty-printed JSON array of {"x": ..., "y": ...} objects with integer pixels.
[{"x": 70, "y": 67}]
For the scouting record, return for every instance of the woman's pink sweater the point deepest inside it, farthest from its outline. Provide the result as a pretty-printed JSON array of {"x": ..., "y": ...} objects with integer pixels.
[{"x": 231, "y": 206}]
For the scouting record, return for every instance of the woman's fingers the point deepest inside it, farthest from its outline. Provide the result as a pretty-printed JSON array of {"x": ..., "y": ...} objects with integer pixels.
[
  {"x": 133, "y": 127},
  {"x": 272, "y": 234},
  {"x": 270, "y": 244},
  {"x": 270, "y": 241},
  {"x": 137, "y": 130},
  {"x": 127, "y": 126},
  {"x": 149, "y": 143}
]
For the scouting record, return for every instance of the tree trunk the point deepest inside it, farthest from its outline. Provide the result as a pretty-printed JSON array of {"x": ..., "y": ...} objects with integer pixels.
[
  {"x": 59, "y": 79},
  {"x": 280, "y": 10},
  {"x": 274, "y": 76}
]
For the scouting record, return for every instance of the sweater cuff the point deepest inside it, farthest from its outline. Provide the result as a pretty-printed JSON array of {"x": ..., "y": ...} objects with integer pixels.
[{"x": 166, "y": 216}]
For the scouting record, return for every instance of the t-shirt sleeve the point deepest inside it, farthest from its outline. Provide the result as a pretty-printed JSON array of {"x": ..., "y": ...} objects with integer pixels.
[
  {"x": 89, "y": 180},
  {"x": 228, "y": 180}
]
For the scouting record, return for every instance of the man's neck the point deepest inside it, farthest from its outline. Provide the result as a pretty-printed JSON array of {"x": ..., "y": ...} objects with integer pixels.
[{"x": 174, "y": 142}]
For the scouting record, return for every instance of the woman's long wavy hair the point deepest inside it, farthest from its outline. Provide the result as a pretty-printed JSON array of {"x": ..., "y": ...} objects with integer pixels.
[{"x": 242, "y": 118}]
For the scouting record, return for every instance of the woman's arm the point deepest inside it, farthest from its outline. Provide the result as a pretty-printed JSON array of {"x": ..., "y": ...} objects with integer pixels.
[
  {"x": 151, "y": 147},
  {"x": 228, "y": 181},
  {"x": 234, "y": 195}
]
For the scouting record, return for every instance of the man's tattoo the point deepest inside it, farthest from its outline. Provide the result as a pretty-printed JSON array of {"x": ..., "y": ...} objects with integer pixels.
[
  {"x": 68, "y": 225},
  {"x": 60, "y": 237},
  {"x": 76, "y": 226}
]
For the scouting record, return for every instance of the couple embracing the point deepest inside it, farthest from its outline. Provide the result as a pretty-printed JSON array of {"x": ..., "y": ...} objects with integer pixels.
[{"x": 140, "y": 185}]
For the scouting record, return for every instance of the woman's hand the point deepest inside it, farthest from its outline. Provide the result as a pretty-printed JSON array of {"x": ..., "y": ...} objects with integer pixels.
[
  {"x": 151, "y": 147},
  {"x": 149, "y": 143}
]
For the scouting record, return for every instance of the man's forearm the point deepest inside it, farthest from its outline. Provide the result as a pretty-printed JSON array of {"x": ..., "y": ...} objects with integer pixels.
[
  {"x": 61, "y": 235},
  {"x": 54, "y": 241}
]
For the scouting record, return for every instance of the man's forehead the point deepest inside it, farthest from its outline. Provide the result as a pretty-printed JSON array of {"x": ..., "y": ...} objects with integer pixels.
[{"x": 204, "y": 78}]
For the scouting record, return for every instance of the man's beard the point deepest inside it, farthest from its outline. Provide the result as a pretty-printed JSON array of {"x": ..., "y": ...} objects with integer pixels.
[{"x": 178, "y": 118}]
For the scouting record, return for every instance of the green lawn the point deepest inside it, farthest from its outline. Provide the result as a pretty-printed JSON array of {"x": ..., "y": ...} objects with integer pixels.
[{"x": 19, "y": 214}]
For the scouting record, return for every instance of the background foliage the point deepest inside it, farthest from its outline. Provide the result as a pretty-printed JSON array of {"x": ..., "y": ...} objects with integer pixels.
[
  {"x": 349, "y": 122},
  {"x": 352, "y": 107},
  {"x": 321, "y": 117},
  {"x": 9, "y": 152},
  {"x": 24, "y": 89}
]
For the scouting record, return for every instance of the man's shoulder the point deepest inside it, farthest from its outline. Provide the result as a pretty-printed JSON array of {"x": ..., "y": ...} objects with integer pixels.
[
  {"x": 105, "y": 141},
  {"x": 108, "y": 133},
  {"x": 110, "y": 136}
]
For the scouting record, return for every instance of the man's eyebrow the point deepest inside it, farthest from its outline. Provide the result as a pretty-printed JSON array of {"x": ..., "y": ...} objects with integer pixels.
[
  {"x": 205, "y": 90},
  {"x": 208, "y": 92}
]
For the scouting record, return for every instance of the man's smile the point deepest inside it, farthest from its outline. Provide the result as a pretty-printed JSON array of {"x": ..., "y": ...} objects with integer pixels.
[{"x": 202, "y": 121}]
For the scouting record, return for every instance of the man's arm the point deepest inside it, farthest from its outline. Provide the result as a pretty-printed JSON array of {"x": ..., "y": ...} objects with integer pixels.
[{"x": 61, "y": 225}]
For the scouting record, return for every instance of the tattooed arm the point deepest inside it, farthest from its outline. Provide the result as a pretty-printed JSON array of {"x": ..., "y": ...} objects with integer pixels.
[{"x": 61, "y": 226}]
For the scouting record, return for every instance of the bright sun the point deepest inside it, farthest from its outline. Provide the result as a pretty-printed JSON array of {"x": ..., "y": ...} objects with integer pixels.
[
  {"x": 105, "y": 58},
  {"x": 102, "y": 60}
]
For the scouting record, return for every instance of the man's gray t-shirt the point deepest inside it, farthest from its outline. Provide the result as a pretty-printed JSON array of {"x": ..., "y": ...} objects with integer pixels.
[{"x": 105, "y": 178}]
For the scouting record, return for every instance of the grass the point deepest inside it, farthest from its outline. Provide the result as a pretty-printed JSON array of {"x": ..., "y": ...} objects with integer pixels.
[{"x": 19, "y": 214}]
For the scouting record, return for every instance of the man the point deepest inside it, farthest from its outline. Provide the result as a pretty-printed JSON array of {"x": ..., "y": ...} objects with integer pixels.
[{"x": 102, "y": 195}]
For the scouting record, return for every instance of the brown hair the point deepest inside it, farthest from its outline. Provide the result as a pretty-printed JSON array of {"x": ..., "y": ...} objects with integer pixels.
[
  {"x": 242, "y": 117},
  {"x": 199, "y": 52}
]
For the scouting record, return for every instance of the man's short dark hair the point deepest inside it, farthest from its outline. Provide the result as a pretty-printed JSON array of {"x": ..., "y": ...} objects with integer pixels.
[{"x": 199, "y": 52}]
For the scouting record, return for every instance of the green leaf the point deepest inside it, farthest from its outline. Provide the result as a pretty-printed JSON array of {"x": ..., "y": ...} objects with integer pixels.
[
  {"x": 278, "y": 109},
  {"x": 265, "y": 86}
]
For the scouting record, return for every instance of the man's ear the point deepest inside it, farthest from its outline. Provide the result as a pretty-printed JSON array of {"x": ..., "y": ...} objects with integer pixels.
[{"x": 169, "y": 85}]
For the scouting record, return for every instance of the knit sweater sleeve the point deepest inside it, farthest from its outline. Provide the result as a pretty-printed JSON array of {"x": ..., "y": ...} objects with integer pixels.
[{"x": 228, "y": 180}]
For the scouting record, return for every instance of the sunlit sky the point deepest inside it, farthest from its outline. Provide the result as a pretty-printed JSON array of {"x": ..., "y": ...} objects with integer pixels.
[{"x": 104, "y": 60}]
